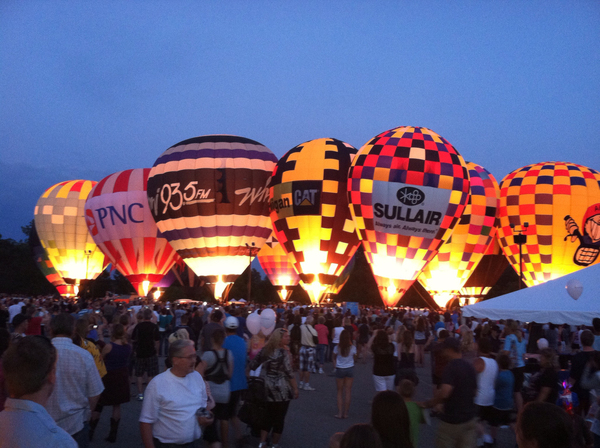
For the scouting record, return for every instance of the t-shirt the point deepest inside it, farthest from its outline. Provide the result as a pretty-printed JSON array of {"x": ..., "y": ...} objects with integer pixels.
[
  {"x": 578, "y": 362},
  {"x": 237, "y": 346},
  {"x": 170, "y": 405},
  {"x": 459, "y": 407},
  {"x": 323, "y": 332},
  {"x": 337, "y": 331},
  {"x": 505, "y": 383},
  {"x": 178, "y": 314},
  {"x": 415, "y": 416},
  {"x": 145, "y": 334},
  {"x": 344, "y": 362},
  {"x": 548, "y": 378},
  {"x": 383, "y": 359},
  {"x": 220, "y": 392}
]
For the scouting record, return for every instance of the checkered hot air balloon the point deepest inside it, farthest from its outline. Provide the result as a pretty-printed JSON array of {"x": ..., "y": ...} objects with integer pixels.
[
  {"x": 560, "y": 202},
  {"x": 43, "y": 263},
  {"x": 209, "y": 198},
  {"x": 445, "y": 275},
  {"x": 60, "y": 224},
  {"x": 119, "y": 219},
  {"x": 276, "y": 264},
  {"x": 309, "y": 211},
  {"x": 407, "y": 188}
]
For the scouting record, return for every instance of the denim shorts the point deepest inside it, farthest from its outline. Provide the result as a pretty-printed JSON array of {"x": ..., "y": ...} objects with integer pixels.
[{"x": 344, "y": 373}]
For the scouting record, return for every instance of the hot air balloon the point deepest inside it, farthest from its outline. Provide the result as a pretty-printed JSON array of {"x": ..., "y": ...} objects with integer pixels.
[
  {"x": 120, "y": 221},
  {"x": 40, "y": 257},
  {"x": 60, "y": 224},
  {"x": 486, "y": 274},
  {"x": 309, "y": 211},
  {"x": 447, "y": 272},
  {"x": 209, "y": 198},
  {"x": 556, "y": 205},
  {"x": 277, "y": 266},
  {"x": 407, "y": 188}
]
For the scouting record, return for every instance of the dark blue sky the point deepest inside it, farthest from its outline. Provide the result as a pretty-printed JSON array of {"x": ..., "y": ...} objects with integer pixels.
[{"x": 90, "y": 88}]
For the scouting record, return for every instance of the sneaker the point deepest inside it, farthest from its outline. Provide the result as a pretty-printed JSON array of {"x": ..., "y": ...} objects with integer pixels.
[
  {"x": 301, "y": 385},
  {"x": 140, "y": 397},
  {"x": 307, "y": 387},
  {"x": 321, "y": 371}
]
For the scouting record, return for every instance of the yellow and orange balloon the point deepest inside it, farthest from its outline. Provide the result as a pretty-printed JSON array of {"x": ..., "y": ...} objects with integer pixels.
[
  {"x": 309, "y": 211},
  {"x": 277, "y": 266},
  {"x": 447, "y": 272},
  {"x": 60, "y": 224},
  {"x": 560, "y": 203}
]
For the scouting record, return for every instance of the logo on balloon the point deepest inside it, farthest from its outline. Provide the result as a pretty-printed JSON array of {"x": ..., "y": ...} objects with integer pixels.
[{"x": 410, "y": 196}]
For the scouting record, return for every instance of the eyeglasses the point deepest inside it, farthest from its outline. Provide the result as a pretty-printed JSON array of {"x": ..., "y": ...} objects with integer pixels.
[{"x": 186, "y": 357}]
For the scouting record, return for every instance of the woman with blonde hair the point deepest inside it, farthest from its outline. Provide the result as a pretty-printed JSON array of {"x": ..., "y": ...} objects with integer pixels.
[{"x": 280, "y": 384}]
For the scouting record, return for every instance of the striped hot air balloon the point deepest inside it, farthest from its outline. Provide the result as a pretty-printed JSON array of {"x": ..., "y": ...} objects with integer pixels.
[
  {"x": 408, "y": 188},
  {"x": 309, "y": 211},
  {"x": 560, "y": 204},
  {"x": 445, "y": 275},
  {"x": 276, "y": 264},
  {"x": 119, "y": 219},
  {"x": 60, "y": 224},
  {"x": 209, "y": 198}
]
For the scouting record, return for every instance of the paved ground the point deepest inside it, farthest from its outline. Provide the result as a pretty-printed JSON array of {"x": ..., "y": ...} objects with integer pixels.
[{"x": 310, "y": 420}]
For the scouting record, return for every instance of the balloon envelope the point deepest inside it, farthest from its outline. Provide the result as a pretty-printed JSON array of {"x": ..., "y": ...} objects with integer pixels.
[
  {"x": 60, "y": 224},
  {"x": 209, "y": 198},
  {"x": 458, "y": 257},
  {"x": 408, "y": 188},
  {"x": 309, "y": 211},
  {"x": 574, "y": 288},
  {"x": 253, "y": 323},
  {"x": 276, "y": 264},
  {"x": 560, "y": 202},
  {"x": 120, "y": 221}
]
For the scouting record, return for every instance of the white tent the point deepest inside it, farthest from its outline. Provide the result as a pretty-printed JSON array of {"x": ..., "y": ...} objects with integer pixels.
[{"x": 548, "y": 302}]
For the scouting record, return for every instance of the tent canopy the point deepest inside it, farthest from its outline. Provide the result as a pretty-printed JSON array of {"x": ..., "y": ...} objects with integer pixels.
[{"x": 548, "y": 302}]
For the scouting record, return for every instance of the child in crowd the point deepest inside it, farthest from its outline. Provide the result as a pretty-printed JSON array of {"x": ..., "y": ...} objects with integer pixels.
[
  {"x": 406, "y": 389},
  {"x": 504, "y": 395}
]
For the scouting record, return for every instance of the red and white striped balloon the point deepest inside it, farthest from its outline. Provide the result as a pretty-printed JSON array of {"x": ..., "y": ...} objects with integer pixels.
[{"x": 121, "y": 224}]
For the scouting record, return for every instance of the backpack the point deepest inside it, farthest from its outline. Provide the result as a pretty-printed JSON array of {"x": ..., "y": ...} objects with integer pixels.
[{"x": 219, "y": 372}]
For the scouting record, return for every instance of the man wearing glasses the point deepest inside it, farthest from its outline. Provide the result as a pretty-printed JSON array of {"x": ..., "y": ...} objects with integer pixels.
[{"x": 173, "y": 412}]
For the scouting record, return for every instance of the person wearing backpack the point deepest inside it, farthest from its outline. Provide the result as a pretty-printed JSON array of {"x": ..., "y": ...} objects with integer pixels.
[{"x": 217, "y": 369}]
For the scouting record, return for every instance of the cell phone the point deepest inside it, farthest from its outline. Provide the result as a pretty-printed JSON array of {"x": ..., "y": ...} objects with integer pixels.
[
  {"x": 95, "y": 326},
  {"x": 203, "y": 412},
  {"x": 97, "y": 311}
]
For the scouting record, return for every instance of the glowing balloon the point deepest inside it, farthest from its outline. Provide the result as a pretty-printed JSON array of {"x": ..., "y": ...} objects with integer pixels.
[
  {"x": 408, "y": 188},
  {"x": 209, "y": 198},
  {"x": 574, "y": 288},
  {"x": 60, "y": 224},
  {"x": 560, "y": 202},
  {"x": 40, "y": 257},
  {"x": 458, "y": 257},
  {"x": 309, "y": 211},
  {"x": 277, "y": 266},
  {"x": 253, "y": 323},
  {"x": 119, "y": 220}
]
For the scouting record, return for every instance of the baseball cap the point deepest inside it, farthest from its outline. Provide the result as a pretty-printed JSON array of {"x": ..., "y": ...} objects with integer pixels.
[{"x": 231, "y": 322}]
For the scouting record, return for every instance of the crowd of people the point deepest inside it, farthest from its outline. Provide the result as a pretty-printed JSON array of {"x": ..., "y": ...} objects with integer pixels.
[{"x": 64, "y": 361}]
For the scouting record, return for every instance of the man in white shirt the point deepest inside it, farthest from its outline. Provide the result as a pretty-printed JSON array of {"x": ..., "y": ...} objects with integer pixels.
[
  {"x": 14, "y": 309},
  {"x": 78, "y": 383},
  {"x": 172, "y": 400}
]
